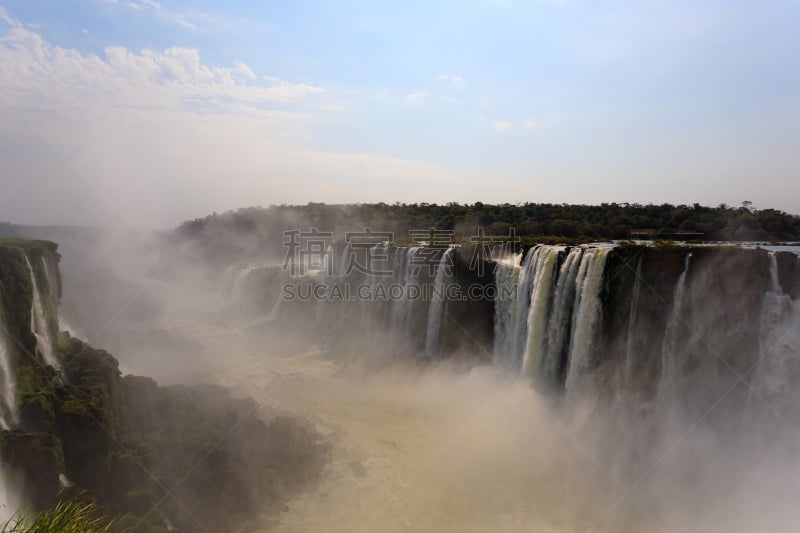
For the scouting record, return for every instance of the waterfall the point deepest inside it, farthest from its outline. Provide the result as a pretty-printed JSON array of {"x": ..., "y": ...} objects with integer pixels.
[
  {"x": 369, "y": 305},
  {"x": 507, "y": 276},
  {"x": 558, "y": 328},
  {"x": 274, "y": 313},
  {"x": 586, "y": 312},
  {"x": 226, "y": 283},
  {"x": 543, "y": 283},
  {"x": 233, "y": 285},
  {"x": 668, "y": 363},
  {"x": 8, "y": 411},
  {"x": 779, "y": 340},
  {"x": 637, "y": 289},
  {"x": 401, "y": 307},
  {"x": 436, "y": 307},
  {"x": 239, "y": 284},
  {"x": 343, "y": 261},
  {"x": 519, "y": 329},
  {"x": 39, "y": 325},
  {"x": 51, "y": 286}
]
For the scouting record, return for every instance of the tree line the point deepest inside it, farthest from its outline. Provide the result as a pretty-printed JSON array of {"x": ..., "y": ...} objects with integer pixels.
[{"x": 530, "y": 220}]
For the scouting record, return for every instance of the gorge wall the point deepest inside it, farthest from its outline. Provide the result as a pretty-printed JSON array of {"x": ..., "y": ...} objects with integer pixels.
[{"x": 74, "y": 427}]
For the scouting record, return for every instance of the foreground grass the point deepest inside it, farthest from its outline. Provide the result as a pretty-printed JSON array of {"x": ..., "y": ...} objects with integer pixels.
[{"x": 65, "y": 517}]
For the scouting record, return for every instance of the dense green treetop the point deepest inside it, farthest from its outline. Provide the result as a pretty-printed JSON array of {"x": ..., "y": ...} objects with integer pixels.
[{"x": 571, "y": 222}]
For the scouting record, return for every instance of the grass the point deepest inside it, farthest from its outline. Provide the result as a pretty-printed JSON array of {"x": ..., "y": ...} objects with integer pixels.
[{"x": 65, "y": 517}]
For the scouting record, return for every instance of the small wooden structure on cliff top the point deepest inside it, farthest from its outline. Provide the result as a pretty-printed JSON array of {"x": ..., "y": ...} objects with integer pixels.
[{"x": 652, "y": 234}]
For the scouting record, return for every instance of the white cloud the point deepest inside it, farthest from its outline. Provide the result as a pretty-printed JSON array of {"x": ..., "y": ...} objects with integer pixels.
[
  {"x": 182, "y": 19},
  {"x": 8, "y": 19},
  {"x": 504, "y": 125},
  {"x": 159, "y": 136},
  {"x": 416, "y": 98},
  {"x": 185, "y": 24},
  {"x": 29, "y": 65},
  {"x": 452, "y": 81},
  {"x": 441, "y": 90}
]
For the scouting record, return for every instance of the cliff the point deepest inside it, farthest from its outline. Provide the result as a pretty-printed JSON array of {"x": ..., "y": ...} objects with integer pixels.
[{"x": 193, "y": 457}]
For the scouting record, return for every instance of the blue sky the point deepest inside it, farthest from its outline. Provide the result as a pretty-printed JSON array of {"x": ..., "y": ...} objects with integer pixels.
[{"x": 160, "y": 111}]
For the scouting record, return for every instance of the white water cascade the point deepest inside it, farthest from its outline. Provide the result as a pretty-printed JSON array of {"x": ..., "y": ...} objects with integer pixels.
[
  {"x": 8, "y": 411},
  {"x": 507, "y": 277},
  {"x": 404, "y": 265},
  {"x": 637, "y": 289},
  {"x": 543, "y": 284},
  {"x": 558, "y": 326},
  {"x": 668, "y": 349},
  {"x": 239, "y": 284},
  {"x": 513, "y": 346},
  {"x": 779, "y": 342},
  {"x": 226, "y": 283},
  {"x": 551, "y": 320},
  {"x": 519, "y": 331},
  {"x": 586, "y": 312},
  {"x": 436, "y": 308},
  {"x": 39, "y": 325}
]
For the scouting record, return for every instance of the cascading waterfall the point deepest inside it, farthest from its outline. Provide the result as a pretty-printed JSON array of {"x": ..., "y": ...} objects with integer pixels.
[
  {"x": 668, "y": 363},
  {"x": 51, "y": 285},
  {"x": 637, "y": 289},
  {"x": 507, "y": 277},
  {"x": 401, "y": 307},
  {"x": 239, "y": 283},
  {"x": 779, "y": 340},
  {"x": 226, "y": 283},
  {"x": 370, "y": 307},
  {"x": 39, "y": 325},
  {"x": 436, "y": 307},
  {"x": 519, "y": 329},
  {"x": 543, "y": 283},
  {"x": 274, "y": 313},
  {"x": 558, "y": 328},
  {"x": 344, "y": 261},
  {"x": 8, "y": 411},
  {"x": 330, "y": 277},
  {"x": 586, "y": 312}
]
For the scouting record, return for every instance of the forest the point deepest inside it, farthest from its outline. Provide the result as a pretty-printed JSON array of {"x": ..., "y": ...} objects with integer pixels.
[{"x": 538, "y": 221}]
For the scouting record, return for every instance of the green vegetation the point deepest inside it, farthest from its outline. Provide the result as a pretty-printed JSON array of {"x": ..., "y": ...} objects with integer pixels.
[
  {"x": 560, "y": 221},
  {"x": 251, "y": 233},
  {"x": 64, "y": 517},
  {"x": 150, "y": 452},
  {"x": 16, "y": 298},
  {"x": 189, "y": 455}
]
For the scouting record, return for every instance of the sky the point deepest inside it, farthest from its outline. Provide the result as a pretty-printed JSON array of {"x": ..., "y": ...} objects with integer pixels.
[{"x": 144, "y": 113}]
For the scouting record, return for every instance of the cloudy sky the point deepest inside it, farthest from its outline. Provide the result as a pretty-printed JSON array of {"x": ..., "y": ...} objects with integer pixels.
[{"x": 147, "y": 113}]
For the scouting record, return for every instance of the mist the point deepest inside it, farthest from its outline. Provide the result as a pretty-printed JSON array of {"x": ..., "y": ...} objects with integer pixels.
[
  {"x": 562, "y": 333},
  {"x": 467, "y": 442}
]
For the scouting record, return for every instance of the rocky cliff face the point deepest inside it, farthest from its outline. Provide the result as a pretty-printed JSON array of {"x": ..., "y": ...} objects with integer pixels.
[{"x": 68, "y": 414}]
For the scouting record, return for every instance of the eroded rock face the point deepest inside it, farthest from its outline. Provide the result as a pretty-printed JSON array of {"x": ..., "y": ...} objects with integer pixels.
[
  {"x": 714, "y": 338},
  {"x": 128, "y": 442},
  {"x": 31, "y": 464}
]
